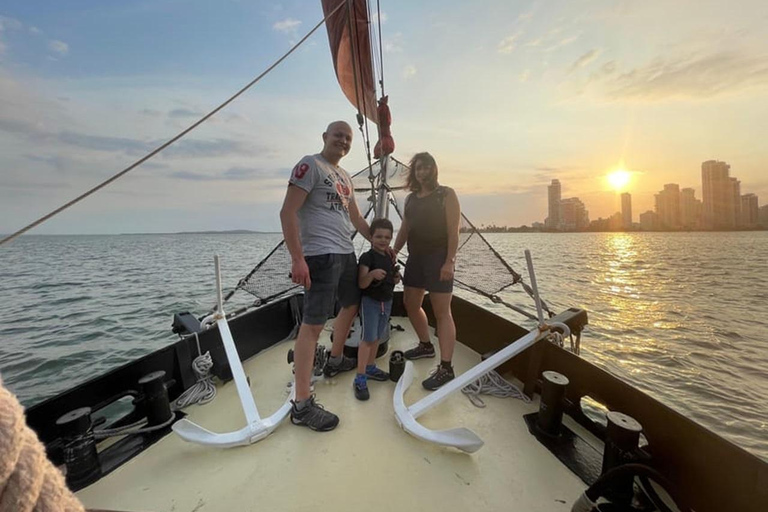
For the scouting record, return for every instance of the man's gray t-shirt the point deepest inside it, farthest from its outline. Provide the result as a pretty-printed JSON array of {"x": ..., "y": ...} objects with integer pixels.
[{"x": 324, "y": 216}]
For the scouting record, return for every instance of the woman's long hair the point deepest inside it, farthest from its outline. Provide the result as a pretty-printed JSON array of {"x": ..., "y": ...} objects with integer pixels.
[{"x": 425, "y": 159}]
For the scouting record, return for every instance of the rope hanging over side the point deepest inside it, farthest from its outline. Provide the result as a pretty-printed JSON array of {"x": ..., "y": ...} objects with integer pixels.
[
  {"x": 203, "y": 391},
  {"x": 171, "y": 141}
]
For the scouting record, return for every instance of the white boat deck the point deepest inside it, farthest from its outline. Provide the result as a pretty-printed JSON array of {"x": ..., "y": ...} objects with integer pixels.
[{"x": 366, "y": 463}]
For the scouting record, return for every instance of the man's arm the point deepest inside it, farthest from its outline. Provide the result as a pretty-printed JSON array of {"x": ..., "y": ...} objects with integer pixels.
[
  {"x": 357, "y": 219},
  {"x": 289, "y": 219},
  {"x": 452, "y": 219}
]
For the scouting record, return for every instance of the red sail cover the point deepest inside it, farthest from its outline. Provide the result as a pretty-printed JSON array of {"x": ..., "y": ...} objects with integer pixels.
[{"x": 346, "y": 46}]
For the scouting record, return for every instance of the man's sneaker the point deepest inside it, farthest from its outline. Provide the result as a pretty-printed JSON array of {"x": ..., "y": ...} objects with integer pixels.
[
  {"x": 439, "y": 377},
  {"x": 376, "y": 373},
  {"x": 420, "y": 351},
  {"x": 346, "y": 364},
  {"x": 314, "y": 416},
  {"x": 361, "y": 389}
]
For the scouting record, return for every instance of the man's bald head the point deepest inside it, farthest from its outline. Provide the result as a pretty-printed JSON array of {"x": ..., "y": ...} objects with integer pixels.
[
  {"x": 339, "y": 124},
  {"x": 337, "y": 140}
]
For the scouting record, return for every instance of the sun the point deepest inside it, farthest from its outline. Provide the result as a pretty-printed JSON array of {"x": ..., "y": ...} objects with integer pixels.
[{"x": 618, "y": 179}]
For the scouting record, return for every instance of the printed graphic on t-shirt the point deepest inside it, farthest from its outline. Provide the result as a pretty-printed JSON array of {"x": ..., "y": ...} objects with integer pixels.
[
  {"x": 326, "y": 185},
  {"x": 300, "y": 170},
  {"x": 338, "y": 200}
]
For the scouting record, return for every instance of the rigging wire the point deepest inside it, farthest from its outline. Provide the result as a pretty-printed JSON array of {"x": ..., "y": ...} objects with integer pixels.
[
  {"x": 381, "y": 48},
  {"x": 169, "y": 142}
]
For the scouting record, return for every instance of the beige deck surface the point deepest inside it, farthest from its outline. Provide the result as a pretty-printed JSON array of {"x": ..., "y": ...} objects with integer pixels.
[{"x": 367, "y": 463}]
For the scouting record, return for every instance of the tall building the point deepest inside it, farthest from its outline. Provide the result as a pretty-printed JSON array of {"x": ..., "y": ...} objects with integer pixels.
[
  {"x": 749, "y": 211},
  {"x": 626, "y": 210},
  {"x": 736, "y": 211},
  {"x": 717, "y": 195},
  {"x": 690, "y": 209},
  {"x": 762, "y": 216},
  {"x": 668, "y": 207},
  {"x": 554, "y": 191},
  {"x": 648, "y": 221},
  {"x": 573, "y": 214}
]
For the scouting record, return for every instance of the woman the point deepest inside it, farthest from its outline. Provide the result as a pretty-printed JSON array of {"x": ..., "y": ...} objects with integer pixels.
[{"x": 431, "y": 228}]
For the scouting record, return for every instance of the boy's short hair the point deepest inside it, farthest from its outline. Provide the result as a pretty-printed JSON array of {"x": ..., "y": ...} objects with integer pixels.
[{"x": 381, "y": 223}]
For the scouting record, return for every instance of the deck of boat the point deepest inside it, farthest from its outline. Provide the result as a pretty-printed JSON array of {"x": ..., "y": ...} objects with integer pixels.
[{"x": 367, "y": 463}]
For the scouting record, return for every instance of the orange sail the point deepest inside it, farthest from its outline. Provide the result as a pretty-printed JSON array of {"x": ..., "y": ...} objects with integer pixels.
[{"x": 351, "y": 52}]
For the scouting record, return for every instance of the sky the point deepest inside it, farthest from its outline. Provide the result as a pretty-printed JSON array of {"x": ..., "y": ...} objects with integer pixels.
[{"x": 507, "y": 95}]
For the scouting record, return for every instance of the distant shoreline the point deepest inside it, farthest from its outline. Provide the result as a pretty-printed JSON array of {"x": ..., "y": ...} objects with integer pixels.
[
  {"x": 481, "y": 230},
  {"x": 227, "y": 232}
]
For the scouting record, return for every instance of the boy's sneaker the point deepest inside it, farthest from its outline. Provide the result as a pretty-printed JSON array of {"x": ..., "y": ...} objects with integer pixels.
[
  {"x": 376, "y": 373},
  {"x": 346, "y": 364},
  {"x": 361, "y": 389},
  {"x": 420, "y": 351},
  {"x": 314, "y": 416},
  {"x": 439, "y": 377}
]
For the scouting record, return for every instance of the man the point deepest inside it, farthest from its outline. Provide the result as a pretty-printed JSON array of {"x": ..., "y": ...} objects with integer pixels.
[{"x": 317, "y": 217}]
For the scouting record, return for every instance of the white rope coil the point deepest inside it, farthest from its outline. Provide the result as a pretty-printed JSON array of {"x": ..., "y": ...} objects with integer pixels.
[
  {"x": 492, "y": 384},
  {"x": 203, "y": 391}
]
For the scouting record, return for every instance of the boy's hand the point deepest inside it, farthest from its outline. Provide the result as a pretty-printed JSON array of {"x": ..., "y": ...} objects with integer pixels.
[{"x": 378, "y": 274}]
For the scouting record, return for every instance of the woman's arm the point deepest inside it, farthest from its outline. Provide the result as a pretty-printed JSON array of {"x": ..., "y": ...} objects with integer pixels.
[
  {"x": 452, "y": 221},
  {"x": 402, "y": 236}
]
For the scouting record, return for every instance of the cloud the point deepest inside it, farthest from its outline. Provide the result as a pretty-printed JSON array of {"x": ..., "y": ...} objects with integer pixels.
[
  {"x": 187, "y": 148},
  {"x": 232, "y": 174},
  {"x": 508, "y": 44},
  {"x": 563, "y": 42},
  {"x": 180, "y": 113},
  {"x": 150, "y": 112},
  {"x": 211, "y": 148},
  {"x": 287, "y": 26},
  {"x": 409, "y": 71},
  {"x": 7, "y": 23},
  {"x": 697, "y": 77},
  {"x": 35, "y": 31},
  {"x": 525, "y": 75},
  {"x": 584, "y": 60},
  {"x": 394, "y": 44},
  {"x": 59, "y": 47},
  {"x": 375, "y": 18}
]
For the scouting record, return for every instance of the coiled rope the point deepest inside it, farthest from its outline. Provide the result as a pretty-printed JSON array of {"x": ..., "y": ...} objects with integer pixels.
[
  {"x": 203, "y": 391},
  {"x": 492, "y": 384}
]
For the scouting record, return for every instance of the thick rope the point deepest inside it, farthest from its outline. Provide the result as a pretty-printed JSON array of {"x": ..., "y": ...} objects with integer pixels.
[
  {"x": 28, "y": 480},
  {"x": 171, "y": 141}
]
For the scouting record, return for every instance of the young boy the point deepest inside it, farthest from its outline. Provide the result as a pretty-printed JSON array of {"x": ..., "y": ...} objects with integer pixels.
[{"x": 377, "y": 277}]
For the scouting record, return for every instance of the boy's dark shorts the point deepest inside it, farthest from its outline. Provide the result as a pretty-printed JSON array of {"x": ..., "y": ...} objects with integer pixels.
[
  {"x": 333, "y": 276},
  {"x": 423, "y": 271}
]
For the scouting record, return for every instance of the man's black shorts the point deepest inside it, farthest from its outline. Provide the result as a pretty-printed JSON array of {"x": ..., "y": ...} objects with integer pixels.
[{"x": 333, "y": 276}]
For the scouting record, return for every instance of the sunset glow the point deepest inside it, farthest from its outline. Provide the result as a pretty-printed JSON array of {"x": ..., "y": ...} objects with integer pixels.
[{"x": 618, "y": 179}]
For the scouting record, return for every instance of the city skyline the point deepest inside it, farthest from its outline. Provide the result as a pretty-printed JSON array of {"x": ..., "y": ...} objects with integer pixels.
[{"x": 722, "y": 206}]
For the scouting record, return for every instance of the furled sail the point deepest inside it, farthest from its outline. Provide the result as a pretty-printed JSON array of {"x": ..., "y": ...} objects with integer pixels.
[{"x": 351, "y": 52}]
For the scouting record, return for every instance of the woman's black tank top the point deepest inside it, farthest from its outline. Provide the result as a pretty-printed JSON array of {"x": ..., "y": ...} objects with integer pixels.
[{"x": 427, "y": 228}]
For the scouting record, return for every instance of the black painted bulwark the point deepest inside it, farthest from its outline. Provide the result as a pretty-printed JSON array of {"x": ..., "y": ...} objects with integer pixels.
[{"x": 713, "y": 474}]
